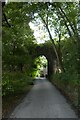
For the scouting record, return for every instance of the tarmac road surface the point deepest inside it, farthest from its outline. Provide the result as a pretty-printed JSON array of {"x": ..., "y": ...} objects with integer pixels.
[{"x": 43, "y": 101}]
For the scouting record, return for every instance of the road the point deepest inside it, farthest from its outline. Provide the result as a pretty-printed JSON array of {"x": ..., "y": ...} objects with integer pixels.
[{"x": 43, "y": 101}]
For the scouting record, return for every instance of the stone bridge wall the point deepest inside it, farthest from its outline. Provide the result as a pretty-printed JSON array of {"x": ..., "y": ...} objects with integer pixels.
[{"x": 48, "y": 52}]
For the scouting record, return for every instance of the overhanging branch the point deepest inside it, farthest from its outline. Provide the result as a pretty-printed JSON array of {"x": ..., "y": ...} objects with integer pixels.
[
  {"x": 67, "y": 19},
  {"x": 6, "y": 20}
]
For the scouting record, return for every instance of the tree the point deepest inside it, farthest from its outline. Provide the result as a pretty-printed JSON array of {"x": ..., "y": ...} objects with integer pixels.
[{"x": 17, "y": 38}]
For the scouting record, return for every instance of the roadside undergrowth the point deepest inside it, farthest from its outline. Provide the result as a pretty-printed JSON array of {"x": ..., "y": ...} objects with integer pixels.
[{"x": 14, "y": 88}]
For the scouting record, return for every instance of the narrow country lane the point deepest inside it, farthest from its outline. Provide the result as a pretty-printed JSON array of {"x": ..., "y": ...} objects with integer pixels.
[{"x": 43, "y": 101}]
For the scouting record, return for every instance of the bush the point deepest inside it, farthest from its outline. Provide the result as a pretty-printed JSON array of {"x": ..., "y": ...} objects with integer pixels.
[
  {"x": 15, "y": 82},
  {"x": 68, "y": 83}
]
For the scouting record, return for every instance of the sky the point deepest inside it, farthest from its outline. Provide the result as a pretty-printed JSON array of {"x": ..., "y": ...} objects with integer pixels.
[{"x": 40, "y": 33}]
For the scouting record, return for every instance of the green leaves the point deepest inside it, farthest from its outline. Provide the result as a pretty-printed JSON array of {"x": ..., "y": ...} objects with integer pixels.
[{"x": 18, "y": 38}]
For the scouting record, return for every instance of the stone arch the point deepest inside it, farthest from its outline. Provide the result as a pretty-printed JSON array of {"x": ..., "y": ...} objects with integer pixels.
[{"x": 48, "y": 52}]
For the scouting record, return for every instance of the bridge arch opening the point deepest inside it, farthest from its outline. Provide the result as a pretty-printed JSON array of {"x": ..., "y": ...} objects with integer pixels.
[{"x": 41, "y": 63}]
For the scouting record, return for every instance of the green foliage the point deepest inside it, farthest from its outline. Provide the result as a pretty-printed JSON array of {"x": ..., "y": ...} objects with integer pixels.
[
  {"x": 40, "y": 63},
  {"x": 15, "y": 83},
  {"x": 17, "y": 39},
  {"x": 68, "y": 84},
  {"x": 69, "y": 54},
  {"x": 19, "y": 44},
  {"x": 68, "y": 81}
]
